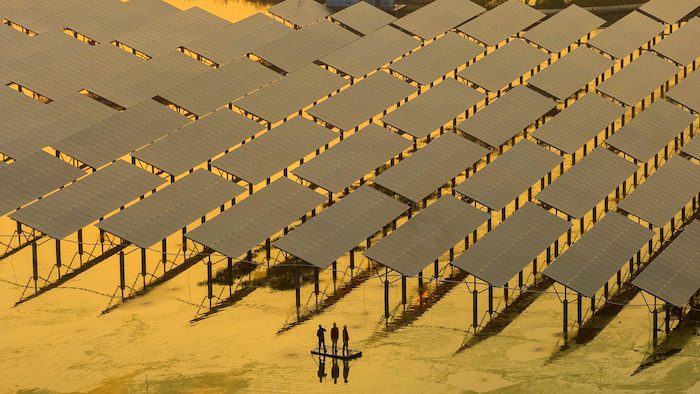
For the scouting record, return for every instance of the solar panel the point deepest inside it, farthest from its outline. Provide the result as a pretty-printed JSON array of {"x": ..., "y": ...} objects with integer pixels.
[
  {"x": 502, "y": 22},
  {"x": 198, "y": 142},
  {"x": 572, "y": 128},
  {"x": 367, "y": 98},
  {"x": 438, "y": 17},
  {"x": 687, "y": 92},
  {"x": 562, "y": 29},
  {"x": 148, "y": 79},
  {"x": 300, "y": 12},
  {"x": 502, "y": 181},
  {"x": 665, "y": 193},
  {"x": 438, "y": 58},
  {"x": 238, "y": 39},
  {"x": 83, "y": 202},
  {"x": 221, "y": 86},
  {"x": 505, "y": 65},
  {"x": 363, "y": 17},
  {"x": 681, "y": 46},
  {"x": 652, "y": 130},
  {"x": 670, "y": 11},
  {"x": 587, "y": 183},
  {"x": 426, "y": 170},
  {"x": 512, "y": 245},
  {"x": 257, "y": 218},
  {"x": 426, "y": 236},
  {"x": 627, "y": 35},
  {"x": 572, "y": 73},
  {"x": 339, "y": 167},
  {"x": 431, "y": 110},
  {"x": 24, "y": 135},
  {"x": 165, "y": 34},
  {"x": 638, "y": 79},
  {"x": 506, "y": 117},
  {"x": 674, "y": 275},
  {"x": 275, "y": 150},
  {"x": 692, "y": 148},
  {"x": 121, "y": 134},
  {"x": 341, "y": 227},
  {"x": 291, "y": 93},
  {"x": 167, "y": 211},
  {"x": 590, "y": 262},
  {"x": 304, "y": 46},
  {"x": 32, "y": 177}
]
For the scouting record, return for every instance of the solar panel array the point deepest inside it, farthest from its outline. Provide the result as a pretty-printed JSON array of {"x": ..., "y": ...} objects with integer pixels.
[{"x": 332, "y": 72}]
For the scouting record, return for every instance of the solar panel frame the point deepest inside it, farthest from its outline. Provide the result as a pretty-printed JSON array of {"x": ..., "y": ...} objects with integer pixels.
[
  {"x": 650, "y": 131},
  {"x": 638, "y": 79},
  {"x": 187, "y": 147},
  {"x": 171, "y": 209},
  {"x": 257, "y": 218},
  {"x": 438, "y": 17},
  {"x": 500, "y": 23},
  {"x": 87, "y": 200},
  {"x": 371, "y": 52},
  {"x": 507, "y": 177},
  {"x": 341, "y": 227},
  {"x": 33, "y": 177},
  {"x": 587, "y": 183},
  {"x": 658, "y": 199},
  {"x": 568, "y": 26},
  {"x": 367, "y": 98},
  {"x": 572, "y": 128},
  {"x": 692, "y": 148},
  {"x": 439, "y": 57},
  {"x": 503, "y": 66},
  {"x": 427, "y": 236},
  {"x": 300, "y": 12},
  {"x": 338, "y": 168},
  {"x": 275, "y": 150},
  {"x": 427, "y": 169},
  {"x": 674, "y": 275},
  {"x": 602, "y": 251},
  {"x": 506, "y": 117},
  {"x": 572, "y": 73},
  {"x": 507, "y": 249},
  {"x": 626, "y": 35}
]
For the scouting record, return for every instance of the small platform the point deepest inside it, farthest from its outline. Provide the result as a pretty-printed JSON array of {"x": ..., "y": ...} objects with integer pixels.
[{"x": 352, "y": 354}]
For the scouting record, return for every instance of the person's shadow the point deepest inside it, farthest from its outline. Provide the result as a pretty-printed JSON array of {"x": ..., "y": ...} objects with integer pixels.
[
  {"x": 321, "y": 369},
  {"x": 335, "y": 371},
  {"x": 346, "y": 370}
]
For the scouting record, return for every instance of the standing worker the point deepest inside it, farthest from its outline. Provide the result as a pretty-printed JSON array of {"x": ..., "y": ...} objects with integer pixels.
[
  {"x": 334, "y": 339},
  {"x": 321, "y": 334},
  {"x": 346, "y": 339}
]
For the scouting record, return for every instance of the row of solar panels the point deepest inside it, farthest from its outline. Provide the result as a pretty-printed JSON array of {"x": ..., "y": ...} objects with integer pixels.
[{"x": 361, "y": 199}]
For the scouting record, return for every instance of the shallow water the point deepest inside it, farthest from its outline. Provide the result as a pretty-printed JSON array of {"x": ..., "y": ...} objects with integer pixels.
[{"x": 61, "y": 342}]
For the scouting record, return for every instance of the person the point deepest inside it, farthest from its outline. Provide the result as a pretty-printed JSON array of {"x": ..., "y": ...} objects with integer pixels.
[
  {"x": 334, "y": 339},
  {"x": 335, "y": 371},
  {"x": 346, "y": 340},
  {"x": 321, "y": 334}
]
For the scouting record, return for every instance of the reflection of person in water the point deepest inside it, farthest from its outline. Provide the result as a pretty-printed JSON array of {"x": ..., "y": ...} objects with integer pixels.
[
  {"x": 346, "y": 370},
  {"x": 321, "y": 369},
  {"x": 335, "y": 371}
]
